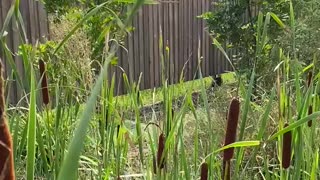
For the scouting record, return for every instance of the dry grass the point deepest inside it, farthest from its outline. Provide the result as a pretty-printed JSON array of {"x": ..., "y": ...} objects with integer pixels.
[{"x": 77, "y": 50}]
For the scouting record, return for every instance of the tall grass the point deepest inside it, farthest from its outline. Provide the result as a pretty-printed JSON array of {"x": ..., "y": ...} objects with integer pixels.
[{"x": 76, "y": 141}]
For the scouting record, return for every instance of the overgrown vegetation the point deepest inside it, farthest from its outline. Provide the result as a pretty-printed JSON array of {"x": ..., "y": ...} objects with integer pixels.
[
  {"x": 235, "y": 25},
  {"x": 276, "y": 137}
]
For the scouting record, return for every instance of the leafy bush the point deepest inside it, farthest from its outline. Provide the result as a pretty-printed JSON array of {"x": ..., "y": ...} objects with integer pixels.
[
  {"x": 64, "y": 71},
  {"x": 226, "y": 23}
]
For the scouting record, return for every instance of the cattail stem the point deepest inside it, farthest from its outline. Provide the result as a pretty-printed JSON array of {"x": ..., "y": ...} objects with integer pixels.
[
  {"x": 309, "y": 81},
  {"x": 226, "y": 173},
  {"x": 286, "y": 149},
  {"x": 6, "y": 149},
  {"x": 44, "y": 83}
]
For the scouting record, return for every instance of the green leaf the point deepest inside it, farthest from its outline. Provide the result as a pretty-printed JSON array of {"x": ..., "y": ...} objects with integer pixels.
[
  {"x": 278, "y": 20},
  {"x": 31, "y": 144},
  {"x": 239, "y": 144},
  {"x": 235, "y": 145},
  {"x": 295, "y": 125},
  {"x": 246, "y": 107}
]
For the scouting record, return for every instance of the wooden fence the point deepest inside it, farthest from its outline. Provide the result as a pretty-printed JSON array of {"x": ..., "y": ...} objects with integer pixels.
[
  {"x": 36, "y": 26},
  {"x": 175, "y": 22}
]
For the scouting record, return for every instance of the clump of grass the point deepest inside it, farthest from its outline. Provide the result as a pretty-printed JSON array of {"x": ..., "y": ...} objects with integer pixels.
[{"x": 6, "y": 149}]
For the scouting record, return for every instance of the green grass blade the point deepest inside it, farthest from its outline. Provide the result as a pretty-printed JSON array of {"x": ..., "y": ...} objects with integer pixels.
[
  {"x": 70, "y": 164},
  {"x": 266, "y": 116},
  {"x": 277, "y": 20},
  {"x": 295, "y": 125},
  {"x": 31, "y": 144},
  {"x": 239, "y": 144},
  {"x": 313, "y": 175},
  {"x": 235, "y": 145},
  {"x": 246, "y": 107}
]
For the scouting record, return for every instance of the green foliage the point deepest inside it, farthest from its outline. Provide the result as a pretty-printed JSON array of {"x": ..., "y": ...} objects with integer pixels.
[
  {"x": 58, "y": 7},
  {"x": 102, "y": 24},
  {"x": 98, "y": 26},
  {"x": 306, "y": 31},
  {"x": 62, "y": 69},
  {"x": 226, "y": 24},
  {"x": 235, "y": 25}
]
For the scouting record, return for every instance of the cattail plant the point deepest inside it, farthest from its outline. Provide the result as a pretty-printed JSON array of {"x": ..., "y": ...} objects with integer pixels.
[
  {"x": 226, "y": 173},
  {"x": 204, "y": 171},
  {"x": 6, "y": 149},
  {"x": 309, "y": 81},
  {"x": 172, "y": 113},
  {"x": 310, "y": 111},
  {"x": 160, "y": 155},
  {"x": 44, "y": 83},
  {"x": 232, "y": 123},
  {"x": 286, "y": 148}
]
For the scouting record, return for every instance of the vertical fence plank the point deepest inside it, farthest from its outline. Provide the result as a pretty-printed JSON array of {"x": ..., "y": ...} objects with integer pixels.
[
  {"x": 151, "y": 47},
  {"x": 141, "y": 59},
  {"x": 176, "y": 13},
  {"x": 156, "y": 35},
  {"x": 181, "y": 38},
  {"x": 147, "y": 47},
  {"x": 165, "y": 33},
  {"x": 160, "y": 38},
  {"x": 171, "y": 45},
  {"x": 136, "y": 49}
]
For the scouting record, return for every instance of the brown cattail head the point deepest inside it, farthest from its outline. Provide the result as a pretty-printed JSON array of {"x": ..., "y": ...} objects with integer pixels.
[
  {"x": 172, "y": 113},
  {"x": 6, "y": 150},
  {"x": 160, "y": 155},
  {"x": 204, "y": 171},
  {"x": 154, "y": 161},
  {"x": 286, "y": 148},
  {"x": 44, "y": 83},
  {"x": 139, "y": 98},
  {"x": 309, "y": 78},
  {"x": 310, "y": 111},
  {"x": 232, "y": 124},
  {"x": 118, "y": 130},
  {"x": 226, "y": 172}
]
